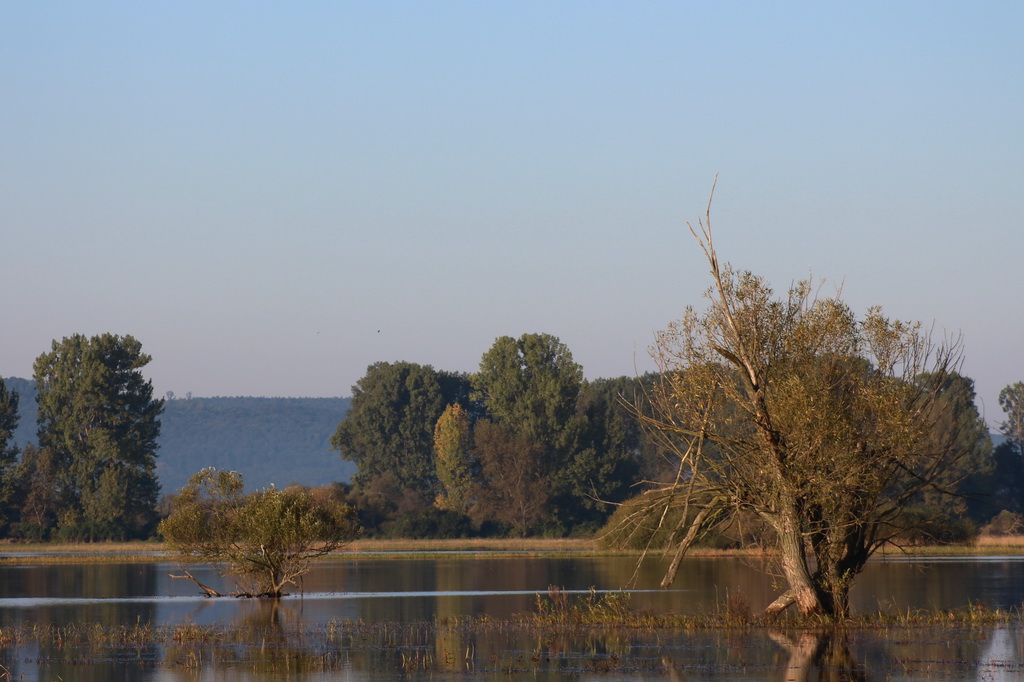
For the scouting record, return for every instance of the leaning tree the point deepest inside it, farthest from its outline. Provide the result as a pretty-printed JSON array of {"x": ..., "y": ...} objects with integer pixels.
[{"x": 792, "y": 409}]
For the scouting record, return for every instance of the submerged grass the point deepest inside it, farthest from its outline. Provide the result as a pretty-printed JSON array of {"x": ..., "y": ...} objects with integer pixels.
[
  {"x": 566, "y": 634},
  {"x": 556, "y": 612},
  {"x": 610, "y": 610}
]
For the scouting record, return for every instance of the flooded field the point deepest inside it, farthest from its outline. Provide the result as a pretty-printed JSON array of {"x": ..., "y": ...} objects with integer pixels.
[{"x": 418, "y": 617}]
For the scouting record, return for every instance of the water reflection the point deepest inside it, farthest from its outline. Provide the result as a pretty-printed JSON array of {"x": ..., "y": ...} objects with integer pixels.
[{"x": 333, "y": 630}]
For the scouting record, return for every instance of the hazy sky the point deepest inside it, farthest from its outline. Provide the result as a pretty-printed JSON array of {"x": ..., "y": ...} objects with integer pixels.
[{"x": 271, "y": 196}]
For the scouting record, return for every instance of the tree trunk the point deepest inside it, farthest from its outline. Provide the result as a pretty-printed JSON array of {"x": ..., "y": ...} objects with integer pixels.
[{"x": 794, "y": 568}]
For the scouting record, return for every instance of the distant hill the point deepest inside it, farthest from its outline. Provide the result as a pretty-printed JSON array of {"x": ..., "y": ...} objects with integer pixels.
[{"x": 268, "y": 440}]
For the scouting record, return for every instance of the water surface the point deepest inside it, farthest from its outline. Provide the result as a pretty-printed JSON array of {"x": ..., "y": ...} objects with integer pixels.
[{"x": 429, "y": 589}]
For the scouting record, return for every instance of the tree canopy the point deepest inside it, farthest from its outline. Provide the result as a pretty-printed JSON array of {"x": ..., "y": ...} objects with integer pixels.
[
  {"x": 8, "y": 418},
  {"x": 8, "y": 452},
  {"x": 1011, "y": 399},
  {"x": 265, "y": 540},
  {"x": 532, "y": 385},
  {"x": 452, "y": 459},
  {"x": 821, "y": 424},
  {"x": 98, "y": 417},
  {"x": 389, "y": 428}
]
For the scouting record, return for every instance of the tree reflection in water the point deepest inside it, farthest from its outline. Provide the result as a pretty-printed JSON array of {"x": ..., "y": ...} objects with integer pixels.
[
  {"x": 377, "y": 619},
  {"x": 826, "y": 653}
]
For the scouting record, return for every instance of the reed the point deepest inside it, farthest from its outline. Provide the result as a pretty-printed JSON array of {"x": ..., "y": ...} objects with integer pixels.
[{"x": 556, "y": 614}]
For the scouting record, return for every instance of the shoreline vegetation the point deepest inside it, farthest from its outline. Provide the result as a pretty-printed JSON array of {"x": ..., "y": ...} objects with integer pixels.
[{"x": 146, "y": 551}]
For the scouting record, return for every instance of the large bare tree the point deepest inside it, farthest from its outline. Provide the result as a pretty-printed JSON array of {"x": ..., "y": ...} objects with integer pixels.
[{"x": 791, "y": 408}]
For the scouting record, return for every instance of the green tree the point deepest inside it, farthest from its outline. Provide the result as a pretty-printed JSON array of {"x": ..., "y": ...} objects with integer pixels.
[
  {"x": 963, "y": 489},
  {"x": 98, "y": 417},
  {"x": 8, "y": 420},
  {"x": 531, "y": 386},
  {"x": 8, "y": 453},
  {"x": 389, "y": 429},
  {"x": 1011, "y": 399},
  {"x": 605, "y": 461},
  {"x": 819, "y": 423},
  {"x": 1007, "y": 487},
  {"x": 1008, "y": 456},
  {"x": 451, "y": 452},
  {"x": 266, "y": 541}
]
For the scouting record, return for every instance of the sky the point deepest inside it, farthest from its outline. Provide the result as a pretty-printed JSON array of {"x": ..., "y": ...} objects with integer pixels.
[{"x": 273, "y": 196}]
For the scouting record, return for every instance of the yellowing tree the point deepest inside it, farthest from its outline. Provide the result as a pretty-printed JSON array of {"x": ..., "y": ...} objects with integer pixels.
[
  {"x": 823, "y": 425},
  {"x": 452, "y": 464}
]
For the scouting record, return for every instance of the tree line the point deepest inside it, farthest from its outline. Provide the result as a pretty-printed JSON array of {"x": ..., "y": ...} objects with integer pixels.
[
  {"x": 526, "y": 446},
  {"x": 523, "y": 446}
]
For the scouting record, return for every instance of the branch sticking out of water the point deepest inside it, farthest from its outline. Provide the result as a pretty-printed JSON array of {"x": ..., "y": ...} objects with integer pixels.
[{"x": 207, "y": 590}]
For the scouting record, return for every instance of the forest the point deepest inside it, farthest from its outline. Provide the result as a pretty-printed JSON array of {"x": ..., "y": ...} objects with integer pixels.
[{"x": 526, "y": 446}]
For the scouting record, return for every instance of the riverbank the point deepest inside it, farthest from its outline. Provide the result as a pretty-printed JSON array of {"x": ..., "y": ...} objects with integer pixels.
[{"x": 155, "y": 551}]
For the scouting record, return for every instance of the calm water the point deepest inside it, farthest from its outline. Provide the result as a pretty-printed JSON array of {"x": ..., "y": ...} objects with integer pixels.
[{"x": 414, "y": 590}]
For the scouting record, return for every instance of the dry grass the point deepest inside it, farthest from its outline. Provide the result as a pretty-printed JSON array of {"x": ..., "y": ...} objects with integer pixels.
[
  {"x": 985, "y": 545},
  {"x": 152, "y": 551},
  {"x": 92, "y": 547},
  {"x": 526, "y": 545},
  {"x": 102, "y": 552},
  {"x": 77, "y": 553},
  {"x": 1001, "y": 541},
  {"x": 419, "y": 549}
]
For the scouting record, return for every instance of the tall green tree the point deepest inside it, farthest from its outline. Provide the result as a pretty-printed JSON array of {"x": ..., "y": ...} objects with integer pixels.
[
  {"x": 1011, "y": 399},
  {"x": 606, "y": 462},
  {"x": 531, "y": 387},
  {"x": 964, "y": 486},
  {"x": 1008, "y": 456},
  {"x": 8, "y": 419},
  {"x": 8, "y": 453},
  {"x": 389, "y": 430},
  {"x": 98, "y": 417}
]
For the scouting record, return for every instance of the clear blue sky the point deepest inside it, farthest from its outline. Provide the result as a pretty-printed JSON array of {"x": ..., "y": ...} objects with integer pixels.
[{"x": 272, "y": 196}]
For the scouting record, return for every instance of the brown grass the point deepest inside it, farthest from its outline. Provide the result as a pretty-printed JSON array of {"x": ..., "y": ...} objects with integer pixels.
[
  {"x": 540, "y": 545},
  {"x": 1002, "y": 541},
  {"x": 67, "y": 553},
  {"x": 151, "y": 551}
]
